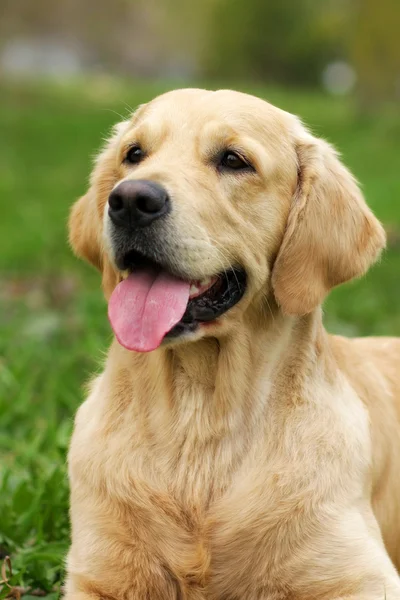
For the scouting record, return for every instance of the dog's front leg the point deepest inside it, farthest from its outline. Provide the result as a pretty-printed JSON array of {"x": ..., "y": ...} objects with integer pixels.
[
  {"x": 120, "y": 586},
  {"x": 113, "y": 571}
]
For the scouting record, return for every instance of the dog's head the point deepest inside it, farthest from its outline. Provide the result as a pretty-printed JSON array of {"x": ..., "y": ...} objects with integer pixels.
[{"x": 204, "y": 204}]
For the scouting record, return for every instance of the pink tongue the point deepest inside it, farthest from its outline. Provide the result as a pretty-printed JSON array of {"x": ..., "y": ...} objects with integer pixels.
[{"x": 144, "y": 307}]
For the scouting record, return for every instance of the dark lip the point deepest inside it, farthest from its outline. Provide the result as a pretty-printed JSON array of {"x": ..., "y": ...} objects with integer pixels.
[
  {"x": 221, "y": 297},
  {"x": 216, "y": 301}
]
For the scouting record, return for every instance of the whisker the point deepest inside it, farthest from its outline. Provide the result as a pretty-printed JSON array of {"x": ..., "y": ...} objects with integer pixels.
[
  {"x": 220, "y": 255},
  {"x": 215, "y": 246},
  {"x": 270, "y": 309},
  {"x": 130, "y": 108},
  {"x": 115, "y": 113},
  {"x": 218, "y": 248}
]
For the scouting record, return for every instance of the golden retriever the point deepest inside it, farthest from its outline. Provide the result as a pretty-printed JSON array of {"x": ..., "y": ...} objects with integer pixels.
[{"x": 231, "y": 449}]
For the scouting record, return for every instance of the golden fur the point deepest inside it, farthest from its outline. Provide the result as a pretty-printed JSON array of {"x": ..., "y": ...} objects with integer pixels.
[{"x": 261, "y": 458}]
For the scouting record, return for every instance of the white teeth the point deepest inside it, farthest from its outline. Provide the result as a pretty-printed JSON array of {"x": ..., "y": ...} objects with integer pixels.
[
  {"x": 199, "y": 287},
  {"x": 193, "y": 290}
]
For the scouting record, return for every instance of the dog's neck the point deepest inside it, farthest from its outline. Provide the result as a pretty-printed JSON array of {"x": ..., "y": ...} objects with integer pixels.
[
  {"x": 226, "y": 381},
  {"x": 199, "y": 407},
  {"x": 262, "y": 348}
]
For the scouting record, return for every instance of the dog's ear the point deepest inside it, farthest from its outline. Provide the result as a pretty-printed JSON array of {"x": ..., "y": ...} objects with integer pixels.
[
  {"x": 331, "y": 235},
  {"x": 86, "y": 217},
  {"x": 85, "y": 229}
]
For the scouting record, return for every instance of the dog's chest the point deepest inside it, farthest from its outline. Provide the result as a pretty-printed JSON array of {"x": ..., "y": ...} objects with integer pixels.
[
  {"x": 201, "y": 494},
  {"x": 193, "y": 451},
  {"x": 204, "y": 480},
  {"x": 197, "y": 468},
  {"x": 188, "y": 478}
]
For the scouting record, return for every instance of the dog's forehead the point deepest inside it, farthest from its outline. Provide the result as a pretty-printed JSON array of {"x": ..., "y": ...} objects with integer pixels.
[{"x": 190, "y": 110}]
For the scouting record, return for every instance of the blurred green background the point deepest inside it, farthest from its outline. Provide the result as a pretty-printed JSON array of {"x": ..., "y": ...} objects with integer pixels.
[{"x": 68, "y": 71}]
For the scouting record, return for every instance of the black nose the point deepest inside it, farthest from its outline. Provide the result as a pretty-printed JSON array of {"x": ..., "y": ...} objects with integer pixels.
[{"x": 137, "y": 203}]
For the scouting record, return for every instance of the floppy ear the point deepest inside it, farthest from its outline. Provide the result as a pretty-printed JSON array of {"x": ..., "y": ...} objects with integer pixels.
[
  {"x": 86, "y": 217},
  {"x": 331, "y": 234},
  {"x": 85, "y": 229}
]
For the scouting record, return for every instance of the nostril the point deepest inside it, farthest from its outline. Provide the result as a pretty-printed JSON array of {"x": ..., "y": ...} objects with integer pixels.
[
  {"x": 150, "y": 204},
  {"x": 115, "y": 202},
  {"x": 137, "y": 203}
]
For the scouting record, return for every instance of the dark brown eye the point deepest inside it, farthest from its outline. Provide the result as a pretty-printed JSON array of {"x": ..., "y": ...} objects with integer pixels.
[
  {"x": 134, "y": 155},
  {"x": 232, "y": 161}
]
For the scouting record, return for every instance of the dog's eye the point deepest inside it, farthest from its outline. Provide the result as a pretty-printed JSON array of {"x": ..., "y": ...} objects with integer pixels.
[
  {"x": 232, "y": 161},
  {"x": 134, "y": 155}
]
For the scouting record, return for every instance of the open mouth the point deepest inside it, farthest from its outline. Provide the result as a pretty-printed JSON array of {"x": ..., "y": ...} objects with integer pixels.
[
  {"x": 152, "y": 305},
  {"x": 210, "y": 299}
]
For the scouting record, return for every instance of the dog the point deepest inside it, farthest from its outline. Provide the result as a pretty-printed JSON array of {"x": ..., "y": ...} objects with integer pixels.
[{"x": 231, "y": 449}]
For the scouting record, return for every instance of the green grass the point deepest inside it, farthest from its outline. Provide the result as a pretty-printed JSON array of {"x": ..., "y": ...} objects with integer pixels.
[{"x": 53, "y": 326}]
